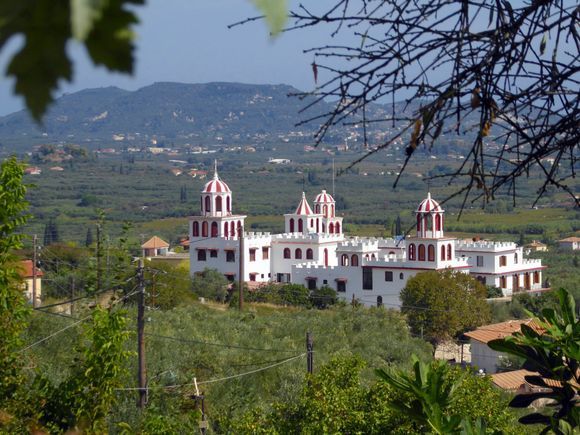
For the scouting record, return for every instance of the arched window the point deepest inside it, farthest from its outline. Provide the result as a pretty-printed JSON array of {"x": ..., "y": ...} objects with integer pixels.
[
  {"x": 309, "y": 254},
  {"x": 226, "y": 232},
  {"x": 286, "y": 252},
  {"x": 331, "y": 228},
  {"x": 354, "y": 260},
  {"x": 228, "y": 204},
  {"x": 421, "y": 250},
  {"x": 379, "y": 301},
  {"x": 298, "y": 254},
  {"x": 204, "y": 229},
  {"x": 311, "y": 223},
  {"x": 214, "y": 229},
  {"x": 317, "y": 209},
  {"x": 325, "y": 210},
  {"x": 438, "y": 222},
  {"x": 207, "y": 204},
  {"x": 412, "y": 251},
  {"x": 391, "y": 254},
  {"x": 218, "y": 203},
  {"x": 201, "y": 203},
  {"x": 373, "y": 257},
  {"x": 300, "y": 226},
  {"x": 240, "y": 228},
  {"x": 516, "y": 258},
  {"x": 291, "y": 225},
  {"x": 332, "y": 211},
  {"x": 337, "y": 228},
  {"x": 536, "y": 277},
  {"x": 326, "y": 257},
  {"x": 449, "y": 254},
  {"x": 442, "y": 253},
  {"x": 317, "y": 225},
  {"x": 232, "y": 229},
  {"x": 431, "y": 253},
  {"x": 195, "y": 229},
  {"x": 418, "y": 222},
  {"x": 323, "y": 227},
  {"x": 344, "y": 260}
]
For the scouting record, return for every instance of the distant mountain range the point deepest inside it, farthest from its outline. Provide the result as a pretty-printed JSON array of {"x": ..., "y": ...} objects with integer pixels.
[{"x": 172, "y": 111}]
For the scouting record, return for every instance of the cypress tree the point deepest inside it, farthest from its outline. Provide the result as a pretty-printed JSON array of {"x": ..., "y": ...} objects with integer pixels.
[{"x": 89, "y": 238}]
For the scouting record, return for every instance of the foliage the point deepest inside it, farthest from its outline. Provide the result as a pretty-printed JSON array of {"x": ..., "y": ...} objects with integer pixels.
[
  {"x": 210, "y": 284},
  {"x": 13, "y": 306},
  {"x": 168, "y": 286},
  {"x": 555, "y": 355},
  {"x": 323, "y": 297},
  {"x": 295, "y": 295},
  {"x": 494, "y": 292},
  {"x": 443, "y": 304},
  {"x": 104, "y": 27},
  {"x": 335, "y": 400}
]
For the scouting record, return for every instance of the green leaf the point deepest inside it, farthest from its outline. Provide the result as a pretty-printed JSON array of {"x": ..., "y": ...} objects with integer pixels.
[
  {"x": 84, "y": 14},
  {"x": 275, "y": 13}
]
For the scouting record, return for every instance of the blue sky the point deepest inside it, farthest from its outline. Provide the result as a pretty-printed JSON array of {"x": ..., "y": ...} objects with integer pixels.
[{"x": 188, "y": 41}]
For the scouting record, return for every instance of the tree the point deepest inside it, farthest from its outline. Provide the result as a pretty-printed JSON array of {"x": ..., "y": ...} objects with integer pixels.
[
  {"x": 210, "y": 284},
  {"x": 503, "y": 75},
  {"x": 13, "y": 306},
  {"x": 443, "y": 304},
  {"x": 554, "y": 353},
  {"x": 89, "y": 238},
  {"x": 170, "y": 286},
  {"x": 323, "y": 297}
]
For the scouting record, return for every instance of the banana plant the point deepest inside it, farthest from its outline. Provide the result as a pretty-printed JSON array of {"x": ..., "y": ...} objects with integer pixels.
[{"x": 553, "y": 351}]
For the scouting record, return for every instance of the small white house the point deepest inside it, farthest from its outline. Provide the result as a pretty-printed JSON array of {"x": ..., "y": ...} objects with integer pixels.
[{"x": 572, "y": 243}]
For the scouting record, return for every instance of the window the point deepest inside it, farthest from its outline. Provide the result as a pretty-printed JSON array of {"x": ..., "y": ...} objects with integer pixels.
[
  {"x": 311, "y": 283},
  {"x": 437, "y": 222},
  {"x": 232, "y": 229},
  {"x": 309, "y": 254},
  {"x": 213, "y": 253},
  {"x": 300, "y": 226},
  {"x": 516, "y": 282},
  {"x": 230, "y": 277},
  {"x": 412, "y": 251},
  {"x": 291, "y": 225},
  {"x": 536, "y": 277},
  {"x": 207, "y": 204},
  {"x": 226, "y": 227},
  {"x": 449, "y": 251},
  {"x": 431, "y": 253},
  {"x": 195, "y": 229},
  {"x": 341, "y": 286},
  {"x": 442, "y": 252},
  {"x": 388, "y": 275},
  {"x": 253, "y": 254},
  {"x": 228, "y": 204},
  {"x": 298, "y": 253},
  {"x": 418, "y": 222},
  {"x": 331, "y": 228},
  {"x": 265, "y": 253},
  {"x": 367, "y": 278},
  {"x": 201, "y": 255},
  {"x": 252, "y": 277},
  {"x": 325, "y": 281},
  {"x": 421, "y": 252},
  {"x": 516, "y": 258},
  {"x": 401, "y": 275},
  {"x": 325, "y": 257},
  {"x": 503, "y": 282},
  {"x": 214, "y": 229},
  {"x": 204, "y": 229},
  {"x": 503, "y": 260},
  {"x": 230, "y": 256},
  {"x": 344, "y": 260},
  {"x": 337, "y": 228},
  {"x": 218, "y": 203},
  {"x": 287, "y": 253},
  {"x": 354, "y": 260},
  {"x": 479, "y": 261},
  {"x": 379, "y": 301}
]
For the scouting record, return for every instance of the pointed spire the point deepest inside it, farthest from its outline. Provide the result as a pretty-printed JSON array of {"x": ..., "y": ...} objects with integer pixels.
[
  {"x": 215, "y": 173},
  {"x": 428, "y": 195}
]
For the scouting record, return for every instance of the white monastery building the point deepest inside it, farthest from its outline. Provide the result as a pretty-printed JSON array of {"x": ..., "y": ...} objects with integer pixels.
[{"x": 314, "y": 252}]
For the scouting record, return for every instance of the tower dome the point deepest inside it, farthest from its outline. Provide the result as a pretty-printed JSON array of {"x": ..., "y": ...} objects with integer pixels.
[
  {"x": 324, "y": 204},
  {"x": 216, "y": 197},
  {"x": 429, "y": 218}
]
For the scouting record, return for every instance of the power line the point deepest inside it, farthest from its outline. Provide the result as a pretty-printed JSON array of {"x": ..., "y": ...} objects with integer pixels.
[
  {"x": 207, "y": 343},
  {"x": 211, "y": 381}
]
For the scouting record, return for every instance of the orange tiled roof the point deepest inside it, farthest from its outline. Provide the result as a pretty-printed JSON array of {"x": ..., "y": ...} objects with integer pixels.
[
  {"x": 155, "y": 243},
  {"x": 485, "y": 334},
  {"x": 570, "y": 239},
  {"x": 515, "y": 380},
  {"x": 26, "y": 270}
]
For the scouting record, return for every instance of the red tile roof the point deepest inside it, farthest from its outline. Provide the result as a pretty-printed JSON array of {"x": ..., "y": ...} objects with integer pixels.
[
  {"x": 26, "y": 270},
  {"x": 155, "y": 243},
  {"x": 485, "y": 334}
]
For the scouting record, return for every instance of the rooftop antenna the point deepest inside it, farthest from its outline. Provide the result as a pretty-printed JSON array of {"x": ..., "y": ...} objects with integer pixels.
[
  {"x": 215, "y": 168},
  {"x": 333, "y": 177},
  {"x": 303, "y": 182}
]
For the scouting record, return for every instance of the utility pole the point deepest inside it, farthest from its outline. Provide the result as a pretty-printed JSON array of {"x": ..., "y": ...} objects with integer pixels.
[
  {"x": 34, "y": 260},
  {"x": 241, "y": 268},
  {"x": 309, "y": 350},
  {"x": 142, "y": 374},
  {"x": 72, "y": 295},
  {"x": 99, "y": 254}
]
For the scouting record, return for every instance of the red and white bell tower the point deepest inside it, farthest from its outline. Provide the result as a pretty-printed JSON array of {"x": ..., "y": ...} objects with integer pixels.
[
  {"x": 429, "y": 219},
  {"x": 324, "y": 204}
]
